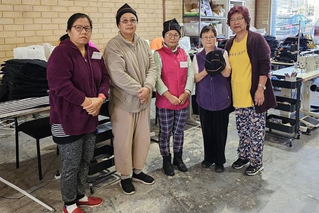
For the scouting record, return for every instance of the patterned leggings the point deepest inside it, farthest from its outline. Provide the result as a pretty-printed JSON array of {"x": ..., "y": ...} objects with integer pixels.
[
  {"x": 171, "y": 121},
  {"x": 251, "y": 128},
  {"x": 76, "y": 158}
]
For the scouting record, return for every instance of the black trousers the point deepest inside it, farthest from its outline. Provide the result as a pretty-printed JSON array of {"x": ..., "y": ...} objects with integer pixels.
[{"x": 214, "y": 128}]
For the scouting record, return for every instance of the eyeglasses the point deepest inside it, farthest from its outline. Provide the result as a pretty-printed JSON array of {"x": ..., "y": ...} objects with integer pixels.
[
  {"x": 168, "y": 35},
  {"x": 238, "y": 19},
  {"x": 209, "y": 37},
  {"x": 132, "y": 21},
  {"x": 79, "y": 28}
]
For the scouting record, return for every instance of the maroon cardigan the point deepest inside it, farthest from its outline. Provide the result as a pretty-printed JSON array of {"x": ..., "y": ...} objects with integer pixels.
[
  {"x": 259, "y": 55},
  {"x": 71, "y": 78}
]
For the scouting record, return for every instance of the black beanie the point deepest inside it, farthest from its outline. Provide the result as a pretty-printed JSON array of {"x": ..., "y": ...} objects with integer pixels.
[
  {"x": 171, "y": 25},
  {"x": 124, "y": 9}
]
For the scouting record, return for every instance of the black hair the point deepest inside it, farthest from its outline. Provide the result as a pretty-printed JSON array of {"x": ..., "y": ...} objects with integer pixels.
[
  {"x": 208, "y": 28},
  {"x": 65, "y": 36},
  {"x": 75, "y": 17}
]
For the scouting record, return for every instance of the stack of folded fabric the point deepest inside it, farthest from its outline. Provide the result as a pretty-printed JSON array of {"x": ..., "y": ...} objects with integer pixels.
[
  {"x": 23, "y": 78},
  {"x": 273, "y": 44},
  {"x": 287, "y": 54},
  {"x": 303, "y": 42}
]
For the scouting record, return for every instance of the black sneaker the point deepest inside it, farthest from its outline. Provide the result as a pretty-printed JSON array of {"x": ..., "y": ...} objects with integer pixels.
[
  {"x": 143, "y": 178},
  {"x": 219, "y": 168},
  {"x": 127, "y": 186},
  {"x": 253, "y": 170},
  {"x": 206, "y": 164},
  {"x": 239, "y": 163}
]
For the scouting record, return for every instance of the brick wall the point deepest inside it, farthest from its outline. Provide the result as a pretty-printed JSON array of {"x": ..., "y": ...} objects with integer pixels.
[
  {"x": 30, "y": 22},
  {"x": 174, "y": 10},
  {"x": 250, "y": 4},
  {"x": 263, "y": 14}
]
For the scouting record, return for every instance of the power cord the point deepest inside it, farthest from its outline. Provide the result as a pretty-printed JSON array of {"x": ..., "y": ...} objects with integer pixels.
[{"x": 17, "y": 198}]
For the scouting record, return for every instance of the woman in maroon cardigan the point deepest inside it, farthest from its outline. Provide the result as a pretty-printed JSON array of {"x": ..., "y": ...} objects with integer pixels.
[
  {"x": 78, "y": 84},
  {"x": 249, "y": 56}
]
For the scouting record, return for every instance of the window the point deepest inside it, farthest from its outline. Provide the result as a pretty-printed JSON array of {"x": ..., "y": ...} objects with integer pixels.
[{"x": 287, "y": 14}]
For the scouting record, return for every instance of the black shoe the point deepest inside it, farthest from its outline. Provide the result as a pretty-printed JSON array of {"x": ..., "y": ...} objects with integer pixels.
[
  {"x": 178, "y": 161},
  {"x": 219, "y": 168},
  {"x": 206, "y": 164},
  {"x": 127, "y": 186},
  {"x": 143, "y": 178},
  {"x": 253, "y": 170},
  {"x": 167, "y": 165},
  {"x": 239, "y": 163}
]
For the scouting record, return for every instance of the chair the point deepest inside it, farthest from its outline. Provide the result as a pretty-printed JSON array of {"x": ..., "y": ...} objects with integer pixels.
[
  {"x": 37, "y": 129},
  {"x": 103, "y": 154}
]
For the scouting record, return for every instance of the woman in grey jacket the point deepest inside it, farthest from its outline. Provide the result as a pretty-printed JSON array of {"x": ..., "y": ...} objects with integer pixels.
[{"x": 132, "y": 70}]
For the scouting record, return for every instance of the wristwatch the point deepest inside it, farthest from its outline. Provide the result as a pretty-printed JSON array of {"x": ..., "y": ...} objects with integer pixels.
[{"x": 263, "y": 86}]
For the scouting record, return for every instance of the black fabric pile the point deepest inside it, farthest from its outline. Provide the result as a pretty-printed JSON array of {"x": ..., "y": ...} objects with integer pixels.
[
  {"x": 288, "y": 49},
  {"x": 273, "y": 44},
  {"x": 221, "y": 43},
  {"x": 23, "y": 78},
  {"x": 294, "y": 41},
  {"x": 287, "y": 54}
]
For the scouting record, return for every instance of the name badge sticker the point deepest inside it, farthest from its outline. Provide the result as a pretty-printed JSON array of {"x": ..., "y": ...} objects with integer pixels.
[
  {"x": 96, "y": 55},
  {"x": 183, "y": 64}
]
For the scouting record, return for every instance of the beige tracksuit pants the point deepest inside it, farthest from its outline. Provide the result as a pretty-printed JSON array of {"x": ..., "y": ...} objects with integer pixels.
[{"x": 131, "y": 139}]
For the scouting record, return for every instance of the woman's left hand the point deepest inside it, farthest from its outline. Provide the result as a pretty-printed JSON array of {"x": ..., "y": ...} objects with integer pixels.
[
  {"x": 259, "y": 97},
  {"x": 94, "y": 108},
  {"x": 143, "y": 95},
  {"x": 183, "y": 97}
]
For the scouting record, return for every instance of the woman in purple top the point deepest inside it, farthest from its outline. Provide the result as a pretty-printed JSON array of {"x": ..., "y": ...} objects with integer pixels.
[
  {"x": 78, "y": 83},
  {"x": 213, "y": 97}
]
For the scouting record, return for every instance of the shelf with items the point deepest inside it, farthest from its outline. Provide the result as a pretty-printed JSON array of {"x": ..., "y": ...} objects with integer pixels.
[
  {"x": 286, "y": 104},
  {"x": 200, "y": 13},
  {"x": 232, "y": 3}
]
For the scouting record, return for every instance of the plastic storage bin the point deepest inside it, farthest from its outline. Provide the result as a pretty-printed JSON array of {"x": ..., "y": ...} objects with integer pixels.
[
  {"x": 191, "y": 28},
  {"x": 281, "y": 123},
  {"x": 286, "y": 104}
]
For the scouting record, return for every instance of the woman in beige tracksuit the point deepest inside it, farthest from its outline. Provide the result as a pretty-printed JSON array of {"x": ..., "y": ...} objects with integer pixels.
[{"x": 132, "y": 70}]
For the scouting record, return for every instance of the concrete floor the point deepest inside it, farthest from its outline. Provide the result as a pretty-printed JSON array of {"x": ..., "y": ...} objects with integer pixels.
[{"x": 288, "y": 184}]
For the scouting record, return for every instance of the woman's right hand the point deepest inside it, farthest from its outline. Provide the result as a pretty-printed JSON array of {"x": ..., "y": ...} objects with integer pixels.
[
  {"x": 199, "y": 76},
  {"x": 94, "y": 107},
  {"x": 87, "y": 101},
  {"x": 174, "y": 100}
]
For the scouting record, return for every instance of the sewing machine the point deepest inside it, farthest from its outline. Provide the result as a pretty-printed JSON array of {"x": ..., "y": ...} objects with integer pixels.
[{"x": 309, "y": 62}]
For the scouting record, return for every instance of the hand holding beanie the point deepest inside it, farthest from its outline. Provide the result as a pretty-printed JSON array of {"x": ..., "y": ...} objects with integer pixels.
[{"x": 214, "y": 62}]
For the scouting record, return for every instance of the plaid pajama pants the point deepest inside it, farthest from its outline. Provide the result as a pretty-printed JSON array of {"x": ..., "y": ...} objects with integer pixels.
[{"x": 171, "y": 121}]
